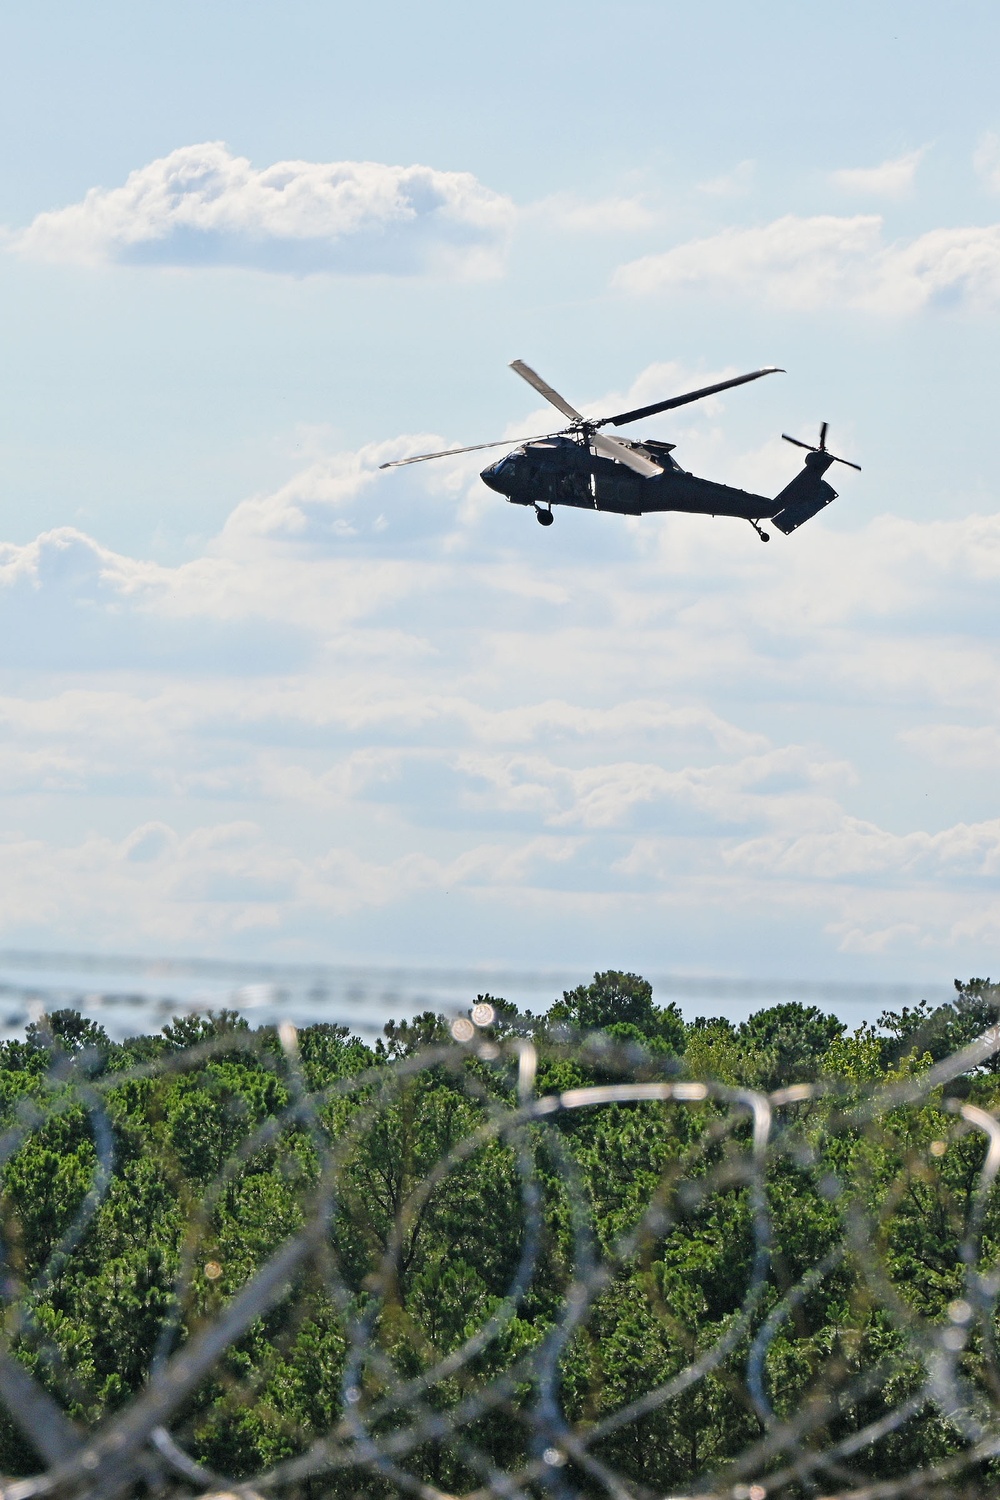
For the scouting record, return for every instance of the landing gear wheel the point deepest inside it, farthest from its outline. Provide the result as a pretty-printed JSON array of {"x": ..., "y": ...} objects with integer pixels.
[
  {"x": 762, "y": 534},
  {"x": 544, "y": 517}
]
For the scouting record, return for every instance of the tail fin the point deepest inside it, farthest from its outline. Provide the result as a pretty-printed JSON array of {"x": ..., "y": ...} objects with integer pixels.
[{"x": 807, "y": 494}]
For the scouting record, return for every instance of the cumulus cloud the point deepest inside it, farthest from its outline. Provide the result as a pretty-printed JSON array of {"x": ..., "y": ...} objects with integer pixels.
[
  {"x": 289, "y": 735},
  {"x": 828, "y": 261},
  {"x": 203, "y": 206},
  {"x": 857, "y": 847},
  {"x": 218, "y": 879},
  {"x": 751, "y": 789},
  {"x": 891, "y": 179}
]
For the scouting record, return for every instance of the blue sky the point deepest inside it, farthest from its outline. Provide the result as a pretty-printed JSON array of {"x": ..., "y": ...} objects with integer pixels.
[{"x": 260, "y": 699}]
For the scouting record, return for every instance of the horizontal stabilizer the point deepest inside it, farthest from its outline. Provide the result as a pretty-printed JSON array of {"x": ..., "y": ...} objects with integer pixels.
[
  {"x": 793, "y": 516},
  {"x": 800, "y": 500}
]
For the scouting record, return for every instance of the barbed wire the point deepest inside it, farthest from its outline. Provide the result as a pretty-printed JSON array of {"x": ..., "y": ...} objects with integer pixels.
[{"x": 593, "y": 1160}]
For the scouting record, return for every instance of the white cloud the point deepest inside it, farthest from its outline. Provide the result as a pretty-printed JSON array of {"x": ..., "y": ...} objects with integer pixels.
[
  {"x": 856, "y": 847},
  {"x": 607, "y": 796},
  {"x": 223, "y": 880},
  {"x": 203, "y": 206},
  {"x": 828, "y": 261},
  {"x": 650, "y": 727},
  {"x": 891, "y": 179},
  {"x": 218, "y": 879},
  {"x": 898, "y": 917}
]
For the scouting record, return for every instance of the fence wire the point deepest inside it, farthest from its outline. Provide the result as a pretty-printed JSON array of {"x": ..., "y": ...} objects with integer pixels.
[{"x": 483, "y": 1260}]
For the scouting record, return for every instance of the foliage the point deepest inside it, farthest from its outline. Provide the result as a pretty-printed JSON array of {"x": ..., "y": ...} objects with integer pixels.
[{"x": 145, "y": 1183}]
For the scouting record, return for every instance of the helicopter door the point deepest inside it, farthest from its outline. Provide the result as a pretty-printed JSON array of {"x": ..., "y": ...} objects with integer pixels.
[{"x": 617, "y": 492}]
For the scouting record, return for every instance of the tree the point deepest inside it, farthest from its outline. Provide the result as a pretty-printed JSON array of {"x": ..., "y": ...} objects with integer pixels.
[
  {"x": 614, "y": 1001},
  {"x": 66, "y": 1031},
  {"x": 943, "y": 1029},
  {"x": 791, "y": 1040},
  {"x": 976, "y": 1009}
]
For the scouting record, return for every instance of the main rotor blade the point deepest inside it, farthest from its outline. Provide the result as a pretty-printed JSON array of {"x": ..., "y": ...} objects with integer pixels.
[
  {"x": 614, "y": 448},
  {"x": 421, "y": 458},
  {"x": 822, "y": 436},
  {"x": 707, "y": 390},
  {"x": 799, "y": 444},
  {"x": 544, "y": 389}
]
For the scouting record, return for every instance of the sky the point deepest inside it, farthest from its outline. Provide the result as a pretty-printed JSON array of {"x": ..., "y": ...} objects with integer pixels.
[{"x": 262, "y": 700}]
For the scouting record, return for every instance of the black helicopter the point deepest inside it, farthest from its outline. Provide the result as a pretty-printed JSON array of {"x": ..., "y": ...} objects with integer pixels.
[{"x": 582, "y": 466}]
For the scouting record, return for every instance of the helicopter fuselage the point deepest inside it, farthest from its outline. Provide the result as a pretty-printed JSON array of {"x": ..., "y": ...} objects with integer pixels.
[{"x": 563, "y": 471}]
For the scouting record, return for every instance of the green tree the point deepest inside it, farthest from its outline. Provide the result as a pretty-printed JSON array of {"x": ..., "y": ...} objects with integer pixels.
[
  {"x": 791, "y": 1041},
  {"x": 622, "y": 1005},
  {"x": 650, "y": 1204}
]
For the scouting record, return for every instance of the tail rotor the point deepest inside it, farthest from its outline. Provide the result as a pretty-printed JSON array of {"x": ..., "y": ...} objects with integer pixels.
[{"x": 821, "y": 447}]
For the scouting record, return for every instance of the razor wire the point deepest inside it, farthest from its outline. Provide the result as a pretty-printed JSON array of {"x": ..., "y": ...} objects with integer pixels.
[{"x": 501, "y": 1411}]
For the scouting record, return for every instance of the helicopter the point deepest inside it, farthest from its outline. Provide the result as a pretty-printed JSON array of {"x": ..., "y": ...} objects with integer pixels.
[{"x": 582, "y": 466}]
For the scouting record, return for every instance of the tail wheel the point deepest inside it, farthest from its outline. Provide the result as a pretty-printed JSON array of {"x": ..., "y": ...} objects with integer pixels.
[{"x": 544, "y": 517}]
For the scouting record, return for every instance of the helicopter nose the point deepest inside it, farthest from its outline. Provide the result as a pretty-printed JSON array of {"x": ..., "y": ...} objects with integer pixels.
[{"x": 491, "y": 477}]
